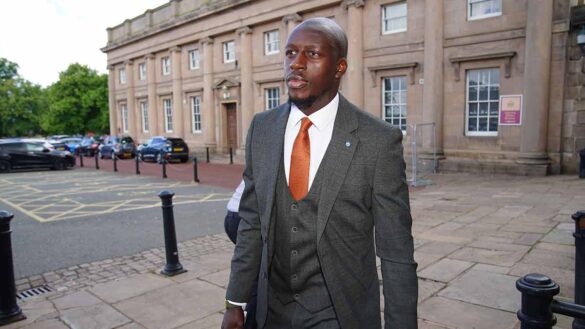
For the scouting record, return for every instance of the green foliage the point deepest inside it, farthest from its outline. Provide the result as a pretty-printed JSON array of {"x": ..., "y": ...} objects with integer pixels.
[
  {"x": 21, "y": 103},
  {"x": 78, "y": 102}
]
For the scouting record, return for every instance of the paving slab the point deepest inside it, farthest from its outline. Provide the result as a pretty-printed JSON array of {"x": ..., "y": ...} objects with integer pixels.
[
  {"x": 115, "y": 291},
  {"x": 488, "y": 256},
  {"x": 425, "y": 259},
  {"x": 35, "y": 309},
  {"x": 489, "y": 289},
  {"x": 211, "y": 322},
  {"x": 100, "y": 316},
  {"x": 550, "y": 258},
  {"x": 563, "y": 277},
  {"x": 455, "y": 314},
  {"x": 219, "y": 278},
  {"x": 445, "y": 270},
  {"x": 76, "y": 299},
  {"x": 48, "y": 324},
  {"x": 427, "y": 288},
  {"x": 174, "y": 305}
]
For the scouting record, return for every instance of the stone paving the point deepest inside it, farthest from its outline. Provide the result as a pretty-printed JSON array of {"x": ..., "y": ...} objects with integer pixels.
[{"x": 475, "y": 236}]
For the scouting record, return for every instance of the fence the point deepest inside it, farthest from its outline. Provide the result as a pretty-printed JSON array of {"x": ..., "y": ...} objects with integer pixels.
[{"x": 422, "y": 160}]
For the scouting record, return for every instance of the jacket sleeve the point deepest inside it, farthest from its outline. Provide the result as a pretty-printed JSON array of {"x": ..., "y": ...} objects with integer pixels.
[
  {"x": 247, "y": 254},
  {"x": 393, "y": 235}
]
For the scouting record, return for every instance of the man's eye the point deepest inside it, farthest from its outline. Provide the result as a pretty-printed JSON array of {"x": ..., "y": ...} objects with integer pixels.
[
  {"x": 289, "y": 52},
  {"x": 312, "y": 53}
]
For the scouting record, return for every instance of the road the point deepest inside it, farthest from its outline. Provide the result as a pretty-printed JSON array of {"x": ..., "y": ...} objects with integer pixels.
[{"x": 82, "y": 215}]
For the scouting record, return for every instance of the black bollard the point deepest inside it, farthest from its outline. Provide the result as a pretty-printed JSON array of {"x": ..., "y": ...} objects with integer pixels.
[
  {"x": 207, "y": 153},
  {"x": 582, "y": 164},
  {"x": 81, "y": 160},
  {"x": 537, "y": 294},
  {"x": 231, "y": 156},
  {"x": 164, "y": 167},
  {"x": 137, "y": 164},
  {"x": 195, "y": 170},
  {"x": 115, "y": 159},
  {"x": 9, "y": 309},
  {"x": 97, "y": 161},
  {"x": 579, "y": 235},
  {"x": 172, "y": 267}
]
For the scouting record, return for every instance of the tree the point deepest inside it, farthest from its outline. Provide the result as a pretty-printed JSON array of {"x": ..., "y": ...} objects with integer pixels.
[
  {"x": 21, "y": 102},
  {"x": 78, "y": 102}
]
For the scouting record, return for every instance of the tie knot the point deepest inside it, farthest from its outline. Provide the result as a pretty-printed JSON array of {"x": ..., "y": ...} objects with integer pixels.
[{"x": 305, "y": 124}]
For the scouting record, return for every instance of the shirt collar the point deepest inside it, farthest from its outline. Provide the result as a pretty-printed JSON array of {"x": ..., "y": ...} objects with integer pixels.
[{"x": 321, "y": 119}]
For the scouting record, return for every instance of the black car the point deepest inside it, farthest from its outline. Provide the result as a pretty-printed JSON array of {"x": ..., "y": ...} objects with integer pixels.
[
  {"x": 122, "y": 147},
  {"x": 18, "y": 154},
  {"x": 89, "y": 146},
  {"x": 169, "y": 148}
]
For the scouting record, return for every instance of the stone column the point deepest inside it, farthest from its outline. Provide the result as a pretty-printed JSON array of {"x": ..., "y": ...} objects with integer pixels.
[
  {"x": 154, "y": 117},
  {"x": 290, "y": 21},
  {"x": 208, "y": 100},
  {"x": 246, "y": 83},
  {"x": 354, "y": 77},
  {"x": 133, "y": 122},
  {"x": 112, "y": 99},
  {"x": 178, "y": 117},
  {"x": 432, "y": 110},
  {"x": 537, "y": 60}
]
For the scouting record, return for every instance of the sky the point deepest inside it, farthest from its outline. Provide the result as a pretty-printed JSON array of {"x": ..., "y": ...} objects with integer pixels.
[{"x": 44, "y": 36}]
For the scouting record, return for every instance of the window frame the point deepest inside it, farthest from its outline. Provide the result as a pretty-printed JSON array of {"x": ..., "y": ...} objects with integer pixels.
[
  {"x": 166, "y": 65},
  {"x": 196, "y": 123},
  {"x": 194, "y": 65},
  {"x": 142, "y": 71},
  {"x": 403, "y": 81},
  {"x": 268, "y": 99},
  {"x": 227, "y": 51},
  {"x": 268, "y": 42},
  {"x": 478, "y": 133},
  {"x": 122, "y": 75},
  {"x": 168, "y": 114},
  {"x": 384, "y": 18},
  {"x": 144, "y": 113},
  {"x": 473, "y": 18},
  {"x": 124, "y": 115}
]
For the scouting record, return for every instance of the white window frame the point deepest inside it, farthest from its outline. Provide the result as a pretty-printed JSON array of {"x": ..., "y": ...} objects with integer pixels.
[
  {"x": 477, "y": 101},
  {"x": 388, "y": 7},
  {"x": 196, "y": 123},
  {"x": 229, "y": 51},
  {"x": 272, "y": 98},
  {"x": 122, "y": 74},
  {"x": 271, "y": 42},
  {"x": 194, "y": 59},
  {"x": 470, "y": 4},
  {"x": 142, "y": 71},
  {"x": 168, "y": 114},
  {"x": 395, "y": 104},
  {"x": 124, "y": 114},
  {"x": 166, "y": 65},
  {"x": 144, "y": 111}
]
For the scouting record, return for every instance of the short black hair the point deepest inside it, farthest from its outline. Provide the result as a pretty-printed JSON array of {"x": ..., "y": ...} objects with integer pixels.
[{"x": 330, "y": 28}]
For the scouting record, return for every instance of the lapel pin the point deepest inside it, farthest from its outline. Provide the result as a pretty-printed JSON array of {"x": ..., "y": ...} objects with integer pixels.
[{"x": 347, "y": 144}]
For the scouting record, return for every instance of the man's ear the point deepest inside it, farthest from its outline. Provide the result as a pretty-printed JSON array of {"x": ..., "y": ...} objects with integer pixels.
[{"x": 341, "y": 68}]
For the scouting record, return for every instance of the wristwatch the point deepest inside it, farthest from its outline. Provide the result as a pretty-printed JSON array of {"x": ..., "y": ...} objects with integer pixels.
[{"x": 229, "y": 305}]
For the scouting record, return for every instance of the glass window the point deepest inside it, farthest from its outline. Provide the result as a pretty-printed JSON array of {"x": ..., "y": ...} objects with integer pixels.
[
  {"x": 34, "y": 147},
  {"x": 122, "y": 76},
  {"x": 144, "y": 111},
  {"x": 394, "y": 101},
  {"x": 124, "y": 110},
  {"x": 272, "y": 98},
  {"x": 271, "y": 42},
  {"x": 194, "y": 59},
  {"x": 168, "y": 108},
  {"x": 394, "y": 18},
  {"x": 477, "y": 9},
  {"x": 142, "y": 71},
  {"x": 229, "y": 54},
  {"x": 196, "y": 114},
  {"x": 166, "y": 65},
  {"x": 483, "y": 102}
]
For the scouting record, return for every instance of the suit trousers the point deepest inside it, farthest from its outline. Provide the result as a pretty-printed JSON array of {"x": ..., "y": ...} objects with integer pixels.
[{"x": 294, "y": 316}]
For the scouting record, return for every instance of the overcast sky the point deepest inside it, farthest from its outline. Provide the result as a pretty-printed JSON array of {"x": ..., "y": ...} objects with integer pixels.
[{"x": 44, "y": 36}]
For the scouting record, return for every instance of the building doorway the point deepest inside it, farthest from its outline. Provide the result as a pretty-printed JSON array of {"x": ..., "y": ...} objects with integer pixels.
[{"x": 232, "y": 125}]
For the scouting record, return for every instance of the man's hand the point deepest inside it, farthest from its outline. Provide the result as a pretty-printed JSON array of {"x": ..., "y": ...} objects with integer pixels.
[{"x": 233, "y": 318}]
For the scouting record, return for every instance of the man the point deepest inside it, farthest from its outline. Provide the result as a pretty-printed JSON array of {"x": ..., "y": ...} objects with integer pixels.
[{"x": 320, "y": 174}]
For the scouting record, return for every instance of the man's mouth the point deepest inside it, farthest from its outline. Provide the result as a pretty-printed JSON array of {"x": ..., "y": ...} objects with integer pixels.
[{"x": 296, "y": 82}]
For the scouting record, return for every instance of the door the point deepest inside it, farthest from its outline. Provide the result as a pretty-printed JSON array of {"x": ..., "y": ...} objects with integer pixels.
[{"x": 232, "y": 125}]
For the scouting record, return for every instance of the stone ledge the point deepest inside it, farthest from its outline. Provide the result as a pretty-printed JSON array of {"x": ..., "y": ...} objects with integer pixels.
[{"x": 452, "y": 164}]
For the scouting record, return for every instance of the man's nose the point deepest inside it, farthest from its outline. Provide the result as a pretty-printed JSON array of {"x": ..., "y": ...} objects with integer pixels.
[{"x": 297, "y": 63}]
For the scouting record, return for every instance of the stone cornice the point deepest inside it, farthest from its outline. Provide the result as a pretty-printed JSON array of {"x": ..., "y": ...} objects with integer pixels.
[
  {"x": 356, "y": 3},
  {"x": 128, "y": 62},
  {"x": 244, "y": 30},
  {"x": 111, "y": 67},
  {"x": 206, "y": 41},
  {"x": 174, "y": 49},
  {"x": 292, "y": 18},
  {"x": 149, "y": 56}
]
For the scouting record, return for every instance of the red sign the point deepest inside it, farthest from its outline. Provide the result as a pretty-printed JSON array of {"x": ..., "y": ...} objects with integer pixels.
[{"x": 510, "y": 110}]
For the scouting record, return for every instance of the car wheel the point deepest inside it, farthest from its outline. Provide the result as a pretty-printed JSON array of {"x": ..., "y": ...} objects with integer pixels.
[
  {"x": 60, "y": 165},
  {"x": 5, "y": 166}
]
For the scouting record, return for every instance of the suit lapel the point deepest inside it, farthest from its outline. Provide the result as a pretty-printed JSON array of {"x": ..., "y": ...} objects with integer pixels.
[{"x": 336, "y": 161}]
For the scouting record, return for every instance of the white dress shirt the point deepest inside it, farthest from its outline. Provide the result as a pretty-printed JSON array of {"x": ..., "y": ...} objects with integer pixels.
[{"x": 320, "y": 134}]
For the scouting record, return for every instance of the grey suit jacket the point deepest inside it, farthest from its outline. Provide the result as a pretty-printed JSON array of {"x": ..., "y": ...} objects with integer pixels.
[{"x": 363, "y": 211}]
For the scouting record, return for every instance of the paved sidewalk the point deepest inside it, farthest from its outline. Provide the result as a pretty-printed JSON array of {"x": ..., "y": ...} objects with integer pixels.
[{"x": 475, "y": 236}]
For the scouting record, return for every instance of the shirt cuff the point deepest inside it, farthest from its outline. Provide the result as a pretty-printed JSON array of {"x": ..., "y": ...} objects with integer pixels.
[{"x": 243, "y": 305}]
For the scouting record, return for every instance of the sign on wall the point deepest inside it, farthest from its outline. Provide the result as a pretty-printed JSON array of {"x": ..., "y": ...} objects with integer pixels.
[{"x": 510, "y": 110}]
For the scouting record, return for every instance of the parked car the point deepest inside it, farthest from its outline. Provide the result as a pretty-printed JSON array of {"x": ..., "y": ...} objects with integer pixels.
[
  {"x": 122, "y": 147},
  {"x": 40, "y": 141},
  {"x": 169, "y": 148},
  {"x": 18, "y": 154},
  {"x": 54, "y": 139},
  {"x": 89, "y": 146},
  {"x": 68, "y": 144}
]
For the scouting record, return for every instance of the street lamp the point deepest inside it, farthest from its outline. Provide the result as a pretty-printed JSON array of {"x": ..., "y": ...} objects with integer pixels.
[{"x": 225, "y": 92}]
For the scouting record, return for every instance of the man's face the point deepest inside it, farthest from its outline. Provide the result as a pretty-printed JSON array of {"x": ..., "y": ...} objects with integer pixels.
[{"x": 312, "y": 69}]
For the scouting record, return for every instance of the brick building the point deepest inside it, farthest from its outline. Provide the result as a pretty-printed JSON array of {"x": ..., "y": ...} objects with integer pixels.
[{"x": 499, "y": 80}]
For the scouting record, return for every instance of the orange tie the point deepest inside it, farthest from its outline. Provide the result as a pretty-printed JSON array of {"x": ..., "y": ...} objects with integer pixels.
[{"x": 298, "y": 181}]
